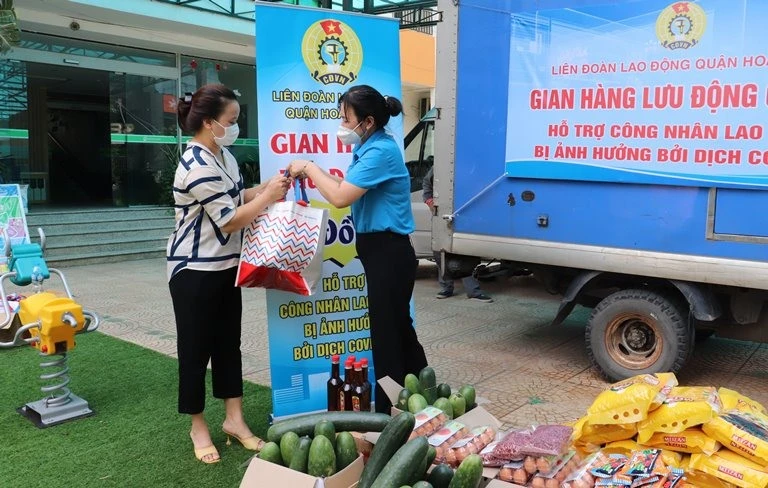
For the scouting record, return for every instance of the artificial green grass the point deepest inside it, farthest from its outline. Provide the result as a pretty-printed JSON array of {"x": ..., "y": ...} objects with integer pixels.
[{"x": 135, "y": 439}]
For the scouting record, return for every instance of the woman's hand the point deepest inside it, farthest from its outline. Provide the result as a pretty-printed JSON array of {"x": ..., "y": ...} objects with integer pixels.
[
  {"x": 277, "y": 187},
  {"x": 297, "y": 167}
]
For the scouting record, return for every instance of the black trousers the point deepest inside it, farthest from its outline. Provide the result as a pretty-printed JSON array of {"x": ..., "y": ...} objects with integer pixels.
[
  {"x": 390, "y": 268},
  {"x": 208, "y": 309}
]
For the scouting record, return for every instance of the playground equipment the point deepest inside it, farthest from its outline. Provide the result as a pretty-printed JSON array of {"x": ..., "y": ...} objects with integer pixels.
[{"x": 48, "y": 323}]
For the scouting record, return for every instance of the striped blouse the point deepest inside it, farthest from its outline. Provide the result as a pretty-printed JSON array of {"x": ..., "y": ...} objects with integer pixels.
[{"x": 206, "y": 192}]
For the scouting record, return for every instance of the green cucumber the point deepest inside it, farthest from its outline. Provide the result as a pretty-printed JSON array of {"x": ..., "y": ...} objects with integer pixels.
[
  {"x": 412, "y": 383},
  {"x": 400, "y": 468},
  {"x": 322, "y": 458},
  {"x": 420, "y": 471},
  {"x": 468, "y": 392},
  {"x": 445, "y": 405},
  {"x": 326, "y": 428},
  {"x": 391, "y": 439},
  {"x": 417, "y": 403},
  {"x": 349, "y": 421},
  {"x": 402, "y": 399},
  {"x": 427, "y": 378},
  {"x": 288, "y": 445},
  {"x": 469, "y": 473},
  {"x": 271, "y": 452},
  {"x": 346, "y": 450},
  {"x": 441, "y": 476},
  {"x": 301, "y": 455}
]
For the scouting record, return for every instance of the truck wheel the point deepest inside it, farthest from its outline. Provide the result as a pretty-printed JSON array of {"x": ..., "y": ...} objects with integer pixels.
[{"x": 635, "y": 332}]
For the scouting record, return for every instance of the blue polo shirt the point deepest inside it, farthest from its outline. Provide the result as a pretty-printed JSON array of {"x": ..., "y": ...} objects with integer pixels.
[{"x": 378, "y": 166}]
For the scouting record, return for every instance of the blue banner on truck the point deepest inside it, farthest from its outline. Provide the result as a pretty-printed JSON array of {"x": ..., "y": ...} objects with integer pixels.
[{"x": 646, "y": 91}]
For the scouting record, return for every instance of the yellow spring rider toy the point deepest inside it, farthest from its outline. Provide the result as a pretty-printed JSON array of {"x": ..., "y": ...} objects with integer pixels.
[{"x": 48, "y": 323}]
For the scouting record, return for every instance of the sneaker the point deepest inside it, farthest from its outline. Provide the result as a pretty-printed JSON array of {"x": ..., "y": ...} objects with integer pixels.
[
  {"x": 482, "y": 297},
  {"x": 444, "y": 294}
]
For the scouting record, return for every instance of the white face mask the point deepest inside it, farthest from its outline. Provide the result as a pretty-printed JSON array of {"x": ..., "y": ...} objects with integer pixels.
[
  {"x": 229, "y": 137},
  {"x": 348, "y": 136}
]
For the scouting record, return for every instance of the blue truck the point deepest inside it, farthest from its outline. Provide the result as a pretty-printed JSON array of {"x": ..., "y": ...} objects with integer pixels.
[{"x": 614, "y": 149}]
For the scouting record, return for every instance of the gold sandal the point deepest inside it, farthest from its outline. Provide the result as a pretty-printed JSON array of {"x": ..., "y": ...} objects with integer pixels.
[
  {"x": 207, "y": 451},
  {"x": 251, "y": 443}
]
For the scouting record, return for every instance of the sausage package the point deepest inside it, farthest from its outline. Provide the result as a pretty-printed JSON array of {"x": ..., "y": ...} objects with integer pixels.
[
  {"x": 732, "y": 468},
  {"x": 428, "y": 421},
  {"x": 742, "y": 432},
  {"x": 629, "y": 401},
  {"x": 683, "y": 408}
]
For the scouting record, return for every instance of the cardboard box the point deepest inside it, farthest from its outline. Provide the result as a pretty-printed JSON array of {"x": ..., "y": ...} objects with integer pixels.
[
  {"x": 265, "y": 474},
  {"x": 476, "y": 417},
  {"x": 392, "y": 388}
]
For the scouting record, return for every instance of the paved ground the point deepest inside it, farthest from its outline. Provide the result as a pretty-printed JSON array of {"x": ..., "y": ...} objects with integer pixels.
[{"x": 530, "y": 371}]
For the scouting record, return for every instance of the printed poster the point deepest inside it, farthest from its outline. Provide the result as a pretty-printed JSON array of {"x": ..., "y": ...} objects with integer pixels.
[
  {"x": 13, "y": 221},
  {"x": 306, "y": 58}
]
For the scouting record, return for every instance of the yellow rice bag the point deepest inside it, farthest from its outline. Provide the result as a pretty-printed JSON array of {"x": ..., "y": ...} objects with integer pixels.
[
  {"x": 691, "y": 441},
  {"x": 621, "y": 447},
  {"x": 742, "y": 432},
  {"x": 586, "y": 433},
  {"x": 684, "y": 407},
  {"x": 698, "y": 479},
  {"x": 730, "y": 467},
  {"x": 629, "y": 401},
  {"x": 733, "y": 400}
]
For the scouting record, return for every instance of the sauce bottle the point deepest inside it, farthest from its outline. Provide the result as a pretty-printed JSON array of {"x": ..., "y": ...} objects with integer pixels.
[
  {"x": 334, "y": 384},
  {"x": 345, "y": 391}
]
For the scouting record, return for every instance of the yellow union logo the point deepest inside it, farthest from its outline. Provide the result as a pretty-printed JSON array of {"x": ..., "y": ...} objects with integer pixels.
[
  {"x": 681, "y": 25},
  {"x": 332, "y": 52}
]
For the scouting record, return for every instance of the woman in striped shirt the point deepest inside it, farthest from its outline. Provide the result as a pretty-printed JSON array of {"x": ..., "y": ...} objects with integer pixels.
[{"x": 212, "y": 207}]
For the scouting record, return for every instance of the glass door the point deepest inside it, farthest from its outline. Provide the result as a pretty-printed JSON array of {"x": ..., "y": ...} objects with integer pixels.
[{"x": 144, "y": 139}]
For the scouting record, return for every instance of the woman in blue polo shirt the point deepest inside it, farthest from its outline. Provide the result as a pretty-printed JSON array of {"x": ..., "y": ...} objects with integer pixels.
[{"x": 378, "y": 188}]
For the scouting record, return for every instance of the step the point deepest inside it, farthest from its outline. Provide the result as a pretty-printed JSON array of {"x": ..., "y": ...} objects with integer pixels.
[
  {"x": 75, "y": 228},
  {"x": 114, "y": 246},
  {"x": 41, "y": 219},
  {"x": 96, "y": 258},
  {"x": 85, "y": 238}
]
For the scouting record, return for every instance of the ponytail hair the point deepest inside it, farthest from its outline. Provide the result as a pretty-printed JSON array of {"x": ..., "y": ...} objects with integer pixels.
[
  {"x": 366, "y": 101},
  {"x": 207, "y": 103}
]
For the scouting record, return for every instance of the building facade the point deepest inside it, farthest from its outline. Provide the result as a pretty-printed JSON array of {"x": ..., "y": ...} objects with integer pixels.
[{"x": 87, "y": 101}]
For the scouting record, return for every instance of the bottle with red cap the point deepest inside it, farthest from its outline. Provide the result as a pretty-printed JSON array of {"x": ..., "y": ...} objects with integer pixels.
[
  {"x": 360, "y": 396},
  {"x": 345, "y": 391},
  {"x": 334, "y": 384},
  {"x": 366, "y": 384}
]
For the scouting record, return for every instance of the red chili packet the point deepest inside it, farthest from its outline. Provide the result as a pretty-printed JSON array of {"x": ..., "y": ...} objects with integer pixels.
[
  {"x": 643, "y": 462},
  {"x": 610, "y": 468},
  {"x": 618, "y": 481}
]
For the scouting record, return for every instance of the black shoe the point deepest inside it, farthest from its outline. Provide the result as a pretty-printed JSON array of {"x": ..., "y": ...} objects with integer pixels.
[
  {"x": 481, "y": 297},
  {"x": 444, "y": 294}
]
